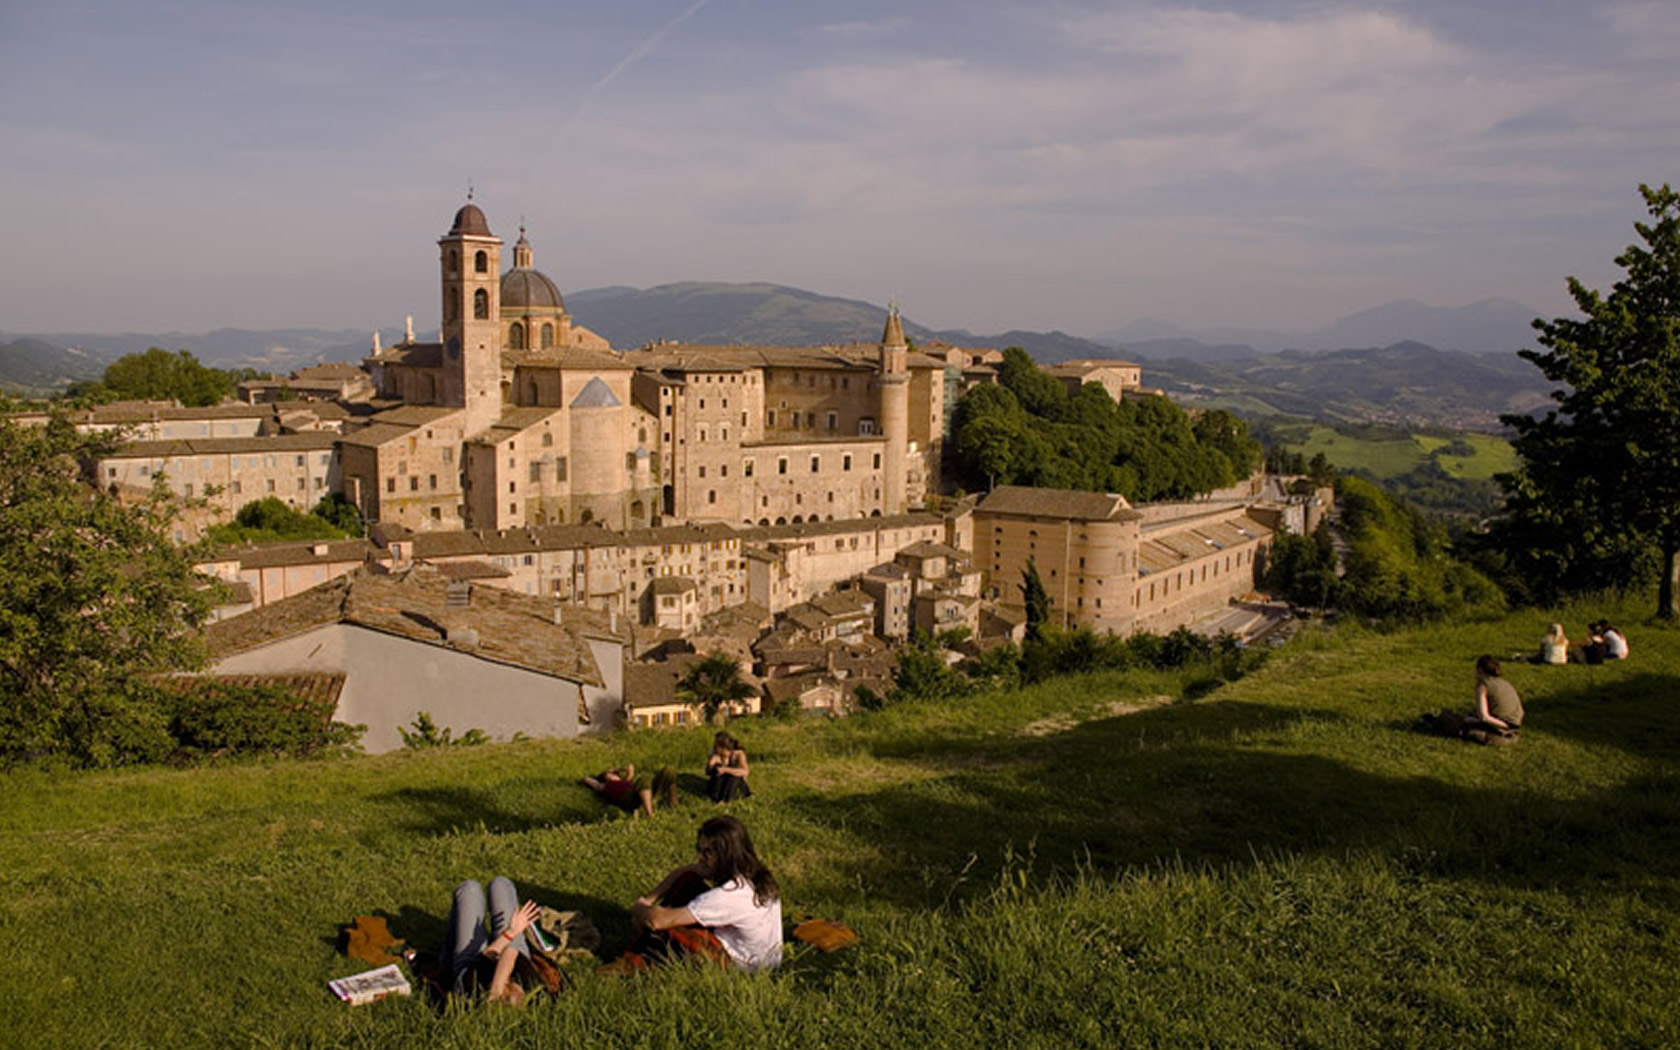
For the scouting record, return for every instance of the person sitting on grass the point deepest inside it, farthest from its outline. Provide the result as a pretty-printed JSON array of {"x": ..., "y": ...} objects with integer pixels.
[
  {"x": 1615, "y": 642},
  {"x": 726, "y": 770},
  {"x": 621, "y": 787},
  {"x": 474, "y": 959},
  {"x": 725, "y": 905},
  {"x": 1499, "y": 711},
  {"x": 1554, "y": 648}
]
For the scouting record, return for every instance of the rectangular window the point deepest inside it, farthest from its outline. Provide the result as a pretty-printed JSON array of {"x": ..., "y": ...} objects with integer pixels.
[
  {"x": 560, "y": 469},
  {"x": 877, "y": 461},
  {"x": 321, "y": 483},
  {"x": 300, "y": 461},
  {"x": 781, "y": 465},
  {"x": 746, "y": 468},
  {"x": 431, "y": 481},
  {"x": 816, "y": 464},
  {"x": 448, "y": 455},
  {"x": 414, "y": 483},
  {"x": 536, "y": 470},
  {"x": 711, "y": 495},
  {"x": 234, "y": 487},
  {"x": 187, "y": 489},
  {"x": 702, "y": 470},
  {"x": 271, "y": 484},
  {"x": 834, "y": 421},
  {"x": 302, "y": 484},
  {"x": 846, "y": 461}
]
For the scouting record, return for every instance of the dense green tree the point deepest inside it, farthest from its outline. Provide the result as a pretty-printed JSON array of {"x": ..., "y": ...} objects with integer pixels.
[
  {"x": 1602, "y": 470},
  {"x": 713, "y": 684},
  {"x": 270, "y": 520},
  {"x": 94, "y": 597},
  {"x": 1039, "y": 392},
  {"x": 159, "y": 375},
  {"x": 923, "y": 672}
]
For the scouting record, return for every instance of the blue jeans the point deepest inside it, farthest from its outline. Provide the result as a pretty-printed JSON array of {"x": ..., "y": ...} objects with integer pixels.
[{"x": 467, "y": 935}]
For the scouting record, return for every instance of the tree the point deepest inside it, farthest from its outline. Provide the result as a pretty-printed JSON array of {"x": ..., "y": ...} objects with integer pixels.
[
  {"x": 162, "y": 376},
  {"x": 93, "y": 598},
  {"x": 1036, "y": 599},
  {"x": 714, "y": 683},
  {"x": 1607, "y": 459}
]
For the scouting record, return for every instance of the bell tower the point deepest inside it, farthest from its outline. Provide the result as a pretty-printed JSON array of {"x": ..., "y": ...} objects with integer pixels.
[{"x": 470, "y": 264}]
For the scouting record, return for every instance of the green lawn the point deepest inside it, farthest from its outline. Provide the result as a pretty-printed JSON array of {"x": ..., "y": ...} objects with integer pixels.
[{"x": 1279, "y": 863}]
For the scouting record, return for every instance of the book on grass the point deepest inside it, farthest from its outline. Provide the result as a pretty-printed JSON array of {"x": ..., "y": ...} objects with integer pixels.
[
  {"x": 371, "y": 986},
  {"x": 539, "y": 940}
]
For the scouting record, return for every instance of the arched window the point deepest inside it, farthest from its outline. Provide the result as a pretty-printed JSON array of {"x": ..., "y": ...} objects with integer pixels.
[
  {"x": 481, "y": 304},
  {"x": 516, "y": 336},
  {"x": 531, "y": 395},
  {"x": 481, "y": 262},
  {"x": 547, "y": 336},
  {"x": 454, "y": 262}
]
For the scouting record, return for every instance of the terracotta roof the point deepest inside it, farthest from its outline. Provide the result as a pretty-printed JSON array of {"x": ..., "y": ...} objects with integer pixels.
[
  {"x": 306, "y": 441},
  {"x": 579, "y": 358},
  {"x": 454, "y": 543},
  {"x": 275, "y": 555},
  {"x": 415, "y": 415},
  {"x": 929, "y": 549},
  {"x": 512, "y": 628},
  {"x": 472, "y": 570},
  {"x": 413, "y": 355},
  {"x": 319, "y": 690},
  {"x": 655, "y": 684},
  {"x": 145, "y": 411},
  {"x": 376, "y": 435},
  {"x": 513, "y": 420},
  {"x": 672, "y": 585},
  {"x": 1021, "y": 501}
]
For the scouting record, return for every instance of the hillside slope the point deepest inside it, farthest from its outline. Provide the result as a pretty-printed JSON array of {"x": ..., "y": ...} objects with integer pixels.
[{"x": 1080, "y": 864}]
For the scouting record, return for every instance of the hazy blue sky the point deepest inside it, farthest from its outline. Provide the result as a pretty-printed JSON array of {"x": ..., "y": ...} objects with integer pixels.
[{"x": 992, "y": 164}]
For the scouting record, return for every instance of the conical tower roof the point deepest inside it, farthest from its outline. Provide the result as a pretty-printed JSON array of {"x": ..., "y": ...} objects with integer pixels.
[{"x": 893, "y": 337}]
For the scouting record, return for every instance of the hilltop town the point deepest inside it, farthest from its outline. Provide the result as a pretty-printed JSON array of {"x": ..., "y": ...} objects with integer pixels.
[{"x": 581, "y": 523}]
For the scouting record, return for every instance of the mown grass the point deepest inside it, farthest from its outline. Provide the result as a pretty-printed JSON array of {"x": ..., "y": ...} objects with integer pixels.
[{"x": 1277, "y": 863}]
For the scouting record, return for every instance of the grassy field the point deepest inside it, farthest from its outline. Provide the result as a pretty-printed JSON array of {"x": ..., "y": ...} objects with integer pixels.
[
  {"x": 1388, "y": 457},
  {"x": 1279, "y": 863}
]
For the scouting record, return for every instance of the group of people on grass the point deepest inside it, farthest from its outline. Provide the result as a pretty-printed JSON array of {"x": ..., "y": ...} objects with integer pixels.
[
  {"x": 727, "y": 769},
  {"x": 724, "y": 906},
  {"x": 1498, "y": 714},
  {"x": 1604, "y": 642}
]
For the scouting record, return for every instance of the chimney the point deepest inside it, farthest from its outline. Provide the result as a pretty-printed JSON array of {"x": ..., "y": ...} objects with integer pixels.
[
  {"x": 463, "y": 637},
  {"x": 559, "y": 613},
  {"x": 458, "y": 595}
]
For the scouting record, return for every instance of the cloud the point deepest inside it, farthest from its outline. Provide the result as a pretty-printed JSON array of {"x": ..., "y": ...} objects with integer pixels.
[{"x": 1650, "y": 29}]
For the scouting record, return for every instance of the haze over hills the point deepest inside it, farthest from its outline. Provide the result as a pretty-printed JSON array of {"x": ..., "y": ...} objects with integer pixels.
[
  {"x": 1489, "y": 326},
  {"x": 1398, "y": 378}
]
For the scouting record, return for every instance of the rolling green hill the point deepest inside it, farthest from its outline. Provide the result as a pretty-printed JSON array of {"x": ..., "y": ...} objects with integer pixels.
[{"x": 1093, "y": 862}]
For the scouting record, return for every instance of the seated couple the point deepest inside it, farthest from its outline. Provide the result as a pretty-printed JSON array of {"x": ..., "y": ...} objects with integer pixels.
[
  {"x": 1498, "y": 716},
  {"x": 725, "y": 906}
]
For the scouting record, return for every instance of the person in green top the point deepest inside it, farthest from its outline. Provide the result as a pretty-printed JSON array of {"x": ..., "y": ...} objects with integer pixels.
[{"x": 1498, "y": 716}]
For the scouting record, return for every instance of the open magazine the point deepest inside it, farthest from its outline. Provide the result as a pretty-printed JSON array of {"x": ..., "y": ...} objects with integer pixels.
[{"x": 371, "y": 986}]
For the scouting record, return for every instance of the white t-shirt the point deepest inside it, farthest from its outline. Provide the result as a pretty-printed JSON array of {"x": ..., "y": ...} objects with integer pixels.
[
  {"x": 750, "y": 933},
  {"x": 1616, "y": 645}
]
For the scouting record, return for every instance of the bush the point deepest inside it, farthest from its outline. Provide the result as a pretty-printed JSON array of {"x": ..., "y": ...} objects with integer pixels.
[{"x": 209, "y": 718}]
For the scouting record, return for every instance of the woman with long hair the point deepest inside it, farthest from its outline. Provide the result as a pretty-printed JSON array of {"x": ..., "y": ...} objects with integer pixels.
[
  {"x": 725, "y": 904},
  {"x": 727, "y": 769}
]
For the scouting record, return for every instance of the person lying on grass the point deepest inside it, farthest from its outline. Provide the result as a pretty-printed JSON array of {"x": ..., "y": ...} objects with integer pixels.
[
  {"x": 725, "y": 905},
  {"x": 473, "y": 958},
  {"x": 621, "y": 787},
  {"x": 1498, "y": 716}
]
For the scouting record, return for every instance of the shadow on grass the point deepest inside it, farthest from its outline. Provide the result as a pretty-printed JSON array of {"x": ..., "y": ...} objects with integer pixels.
[
  {"x": 1634, "y": 712},
  {"x": 445, "y": 809},
  {"x": 1178, "y": 786}
]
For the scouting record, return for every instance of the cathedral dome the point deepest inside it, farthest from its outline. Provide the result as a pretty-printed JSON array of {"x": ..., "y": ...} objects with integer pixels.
[
  {"x": 470, "y": 221},
  {"x": 526, "y": 289}
]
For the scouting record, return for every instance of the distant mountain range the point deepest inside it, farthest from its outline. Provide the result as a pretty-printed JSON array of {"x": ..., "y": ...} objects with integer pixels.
[
  {"x": 1407, "y": 362},
  {"x": 1491, "y": 326},
  {"x": 1406, "y": 384}
]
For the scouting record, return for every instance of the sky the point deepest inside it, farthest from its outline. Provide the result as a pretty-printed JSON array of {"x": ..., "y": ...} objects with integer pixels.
[{"x": 989, "y": 164}]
